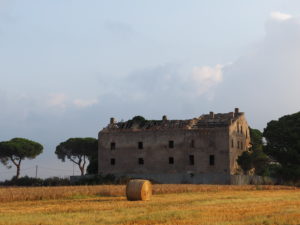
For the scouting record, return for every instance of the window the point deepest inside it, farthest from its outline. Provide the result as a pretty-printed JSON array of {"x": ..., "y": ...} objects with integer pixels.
[
  {"x": 171, "y": 160},
  {"x": 237, "y": 127},
  {"x": 241, "y": 129},
  {"x": 141, "y": 161},
  {"x": 191, "y": 159},
  {"x": 112, "y": 146},
  {"x": 171, "y": 144},
  {"x": 112, "y": 161},
  {"x": 211, "y": 160},
  {"x": 238, "y": 144},
  {"x": 192, "y": 144},
  {"x": 242, "y": 145},
  {"x": 232, "y": 144},
  {"x": 140, "y": 145}
]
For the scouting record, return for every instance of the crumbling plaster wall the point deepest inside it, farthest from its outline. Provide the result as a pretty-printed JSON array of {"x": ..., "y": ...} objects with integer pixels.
[{"x": 156, "y": 152}]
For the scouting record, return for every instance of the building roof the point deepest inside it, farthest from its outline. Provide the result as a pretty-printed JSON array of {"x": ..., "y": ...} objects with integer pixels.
[{"x": 203, "y": 121}]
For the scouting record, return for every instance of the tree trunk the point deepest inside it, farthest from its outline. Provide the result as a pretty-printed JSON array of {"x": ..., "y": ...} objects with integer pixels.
[
  {"x": 81, "y": 170},
  {"x": 18, "y": 171},
  {"x": 17, "y": 164}
]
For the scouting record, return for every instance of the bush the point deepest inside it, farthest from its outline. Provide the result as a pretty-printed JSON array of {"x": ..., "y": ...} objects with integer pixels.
[
  {"x": 30, "y": 181},
  {"x": 56, "y": 181},
  {"x": 23, "y": 181}
]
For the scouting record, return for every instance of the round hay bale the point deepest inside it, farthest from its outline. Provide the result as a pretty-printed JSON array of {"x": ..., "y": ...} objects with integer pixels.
[{"x": 138, "y": 190}]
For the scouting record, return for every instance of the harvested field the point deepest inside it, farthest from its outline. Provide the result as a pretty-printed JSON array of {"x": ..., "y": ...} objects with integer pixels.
[
  {"x": 171, "y": 204},
  {"x": 43, "y": 193}
]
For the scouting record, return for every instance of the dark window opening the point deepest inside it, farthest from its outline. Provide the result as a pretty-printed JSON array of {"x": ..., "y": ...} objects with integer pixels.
[
  {"x": 171, "y": 160},
  {"x": 191, "y": 160},
  {"x": 171, "y": 144},
  {"x": 112, "y": 146},
  {"x": 112, "y": 161},
  {"x": 192, "y": 144},
  {"x": 232, "y": 144},
  {"x": 141, "y": 161},
  {"x": 211, "y": 160},
  {"x": 242, "y": 145},
  {"x": 140, "y": 145},
  {"x": 238, "y": 145},
  {"x": 241, "y": 129}
]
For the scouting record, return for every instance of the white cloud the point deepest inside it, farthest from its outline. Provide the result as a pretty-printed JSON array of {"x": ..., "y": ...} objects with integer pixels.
[
  {"x": 58, "y": 100},
  {"x": 82, "y": 103},
  {"x": 280, "y": 16},
  {"x": 204, "y": 78},
  {"x": 169, "y": 80},
  {"x": 264, "y": 82}
]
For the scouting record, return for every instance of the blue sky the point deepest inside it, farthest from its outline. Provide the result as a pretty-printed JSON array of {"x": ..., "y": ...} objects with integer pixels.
[{"x": 66, "y": 67}]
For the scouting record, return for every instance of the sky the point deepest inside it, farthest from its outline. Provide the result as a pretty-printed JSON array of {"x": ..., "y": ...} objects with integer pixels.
[{"x": 66, "y": 67}]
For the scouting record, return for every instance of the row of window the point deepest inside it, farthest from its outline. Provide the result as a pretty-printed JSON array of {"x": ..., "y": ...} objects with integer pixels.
[
  {"x": 240, "y": 144},
  {"x": 141, "y": 145},
  {"x": 171, "y": 145},
  {"x": 171, "y": 160},
  {"x": 240, "y": 129}
]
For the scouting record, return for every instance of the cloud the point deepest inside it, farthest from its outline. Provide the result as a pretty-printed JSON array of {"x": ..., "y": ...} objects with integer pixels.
[
  {"x": 203, "y": 78},
  {"x": 82, "y": 103},
  {"x": 170, "y": 81},
  {"x": 58, "y": 100},
  {"x": 264, "y": 81},
  {"x": 280, "y": 16},
  {"x": 61, "y": 101}
]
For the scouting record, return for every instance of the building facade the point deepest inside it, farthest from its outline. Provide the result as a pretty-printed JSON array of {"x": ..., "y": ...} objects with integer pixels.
[{"x": 199, "y": 150}]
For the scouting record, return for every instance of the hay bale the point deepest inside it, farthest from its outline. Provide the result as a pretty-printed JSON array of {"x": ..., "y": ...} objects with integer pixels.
[{"x": 138, "y": 190}]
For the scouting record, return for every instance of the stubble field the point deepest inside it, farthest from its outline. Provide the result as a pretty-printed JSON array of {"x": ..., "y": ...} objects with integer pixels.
[{"x": 170, "y": 204}]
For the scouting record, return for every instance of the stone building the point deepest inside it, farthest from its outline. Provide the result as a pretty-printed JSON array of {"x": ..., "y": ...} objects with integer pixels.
[{"x": 199, "y": 150}]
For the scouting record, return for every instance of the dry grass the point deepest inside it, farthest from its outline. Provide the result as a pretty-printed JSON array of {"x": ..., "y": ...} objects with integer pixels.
[
  {"x": 46, "y": 193},
  {"x": 176, "y": 204}
]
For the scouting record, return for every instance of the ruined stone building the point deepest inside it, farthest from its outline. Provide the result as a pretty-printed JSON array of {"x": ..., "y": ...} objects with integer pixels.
[{"x": 199, "y": 150}]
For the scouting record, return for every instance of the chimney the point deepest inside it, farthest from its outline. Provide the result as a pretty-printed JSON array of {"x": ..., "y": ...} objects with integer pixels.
[
  {"x": 164, "y": 118},
  {"x": 112, "y": 120},
  {"x": 211, "y": 115},
  {"x": 236, "y": 111}
]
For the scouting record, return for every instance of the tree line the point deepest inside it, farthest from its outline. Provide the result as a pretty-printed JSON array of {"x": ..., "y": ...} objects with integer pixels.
[
  {"x": 80, "y": 151},
  {"x": 274, "y": 152}
]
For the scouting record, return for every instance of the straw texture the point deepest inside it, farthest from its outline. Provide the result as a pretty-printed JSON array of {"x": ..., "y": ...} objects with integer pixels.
[{"x": 138, "y": 190}]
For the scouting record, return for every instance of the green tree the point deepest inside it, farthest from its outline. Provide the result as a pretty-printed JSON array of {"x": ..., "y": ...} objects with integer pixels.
[
  {"x": 283, "y": 145},
  {"x": 18, "y": 149},
  {"x": 92, "y": 168},
  {"x": 245, "y": 161},
  {"x": 77, "y": 150},
  {"x": 255, "y": 157}
]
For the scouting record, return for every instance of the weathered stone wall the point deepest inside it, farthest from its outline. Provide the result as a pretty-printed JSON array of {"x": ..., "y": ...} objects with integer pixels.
[
  {"x": 239, "y": 136},
  {"x": 251, "y": 179},
  {"x": 156, "y": 152},
  {"x": 214, "y": 143}
]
